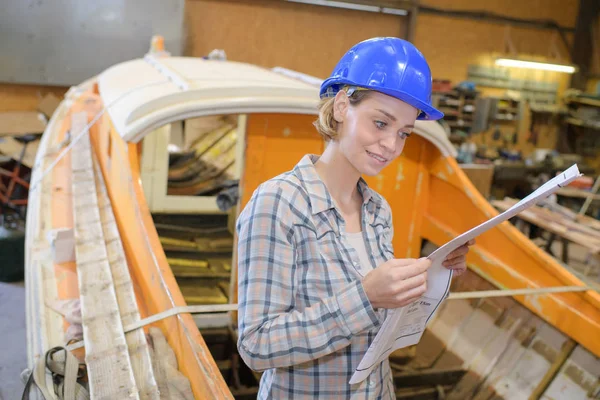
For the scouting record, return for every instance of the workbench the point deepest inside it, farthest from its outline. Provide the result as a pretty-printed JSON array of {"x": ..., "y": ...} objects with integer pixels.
[{"x": 561, "y": 224}]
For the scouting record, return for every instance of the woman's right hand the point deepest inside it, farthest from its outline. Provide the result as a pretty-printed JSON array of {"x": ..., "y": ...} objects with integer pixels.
[{"x": 396, "y": 282}]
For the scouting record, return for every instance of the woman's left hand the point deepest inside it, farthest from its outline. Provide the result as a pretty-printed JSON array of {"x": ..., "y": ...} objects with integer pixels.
[{"x": 457, "y": 260}]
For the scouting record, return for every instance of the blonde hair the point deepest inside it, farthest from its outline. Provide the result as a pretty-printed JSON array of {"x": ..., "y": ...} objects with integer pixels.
[{"x": 326, "y": 124}]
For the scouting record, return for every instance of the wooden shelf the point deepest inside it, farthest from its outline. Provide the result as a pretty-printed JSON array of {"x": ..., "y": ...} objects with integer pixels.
[
  {"x": 448, "y": 93},
  {"x": 449, "y": 103},
  {"x": 585, "y": 124},
  {"x": 509, "y": 109},
  {"x": 449, "y": 111},
  {"x": 586, "y": 101},
  {"x": 454, "y": 138},
  {"x": 453, "y": 104},
  {"x": 455, "y": 124}
]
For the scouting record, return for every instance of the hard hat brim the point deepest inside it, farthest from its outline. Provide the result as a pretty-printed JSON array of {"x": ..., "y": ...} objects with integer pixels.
[{"x": 427, "y": 112}]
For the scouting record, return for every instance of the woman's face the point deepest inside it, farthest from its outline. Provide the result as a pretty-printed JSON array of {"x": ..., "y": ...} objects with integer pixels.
[{"x": 372, "y": 133}]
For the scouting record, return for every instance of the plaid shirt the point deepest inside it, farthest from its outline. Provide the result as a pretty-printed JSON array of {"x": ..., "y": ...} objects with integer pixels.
[{"x": 304, "y": 317}]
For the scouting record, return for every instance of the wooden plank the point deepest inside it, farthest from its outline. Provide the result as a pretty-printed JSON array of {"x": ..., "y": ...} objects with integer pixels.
[
  {"x": 557, "y": 224},
  {"x": 582, "y": 219},
  {"x": 13, "y": 148},
  {"x": 148, "y": 265},
  {"x": 108, "y": 363},
  {"x": 422, "y": 394},
  {"x": 577, "y": 193},
  {"x": 532, "y": 365},
  {"x": 584, "y": 100},
  {"x": 510, "y": 358},
  {"x": 486, "y": 359},
  {"x": 588, "y": 200},
  {"x": 427, "y": 377},
  {"x": 552, "y": 372},
  {"x": 43, "y": 326},
  {"x": 577, "y": 379},
  {"x": 21, "y": 123},
  {"x": 48, "y": 105},
  {"x": 139, "y": 351}
]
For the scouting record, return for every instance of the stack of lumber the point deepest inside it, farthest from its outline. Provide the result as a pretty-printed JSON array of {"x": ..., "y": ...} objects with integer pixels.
[
  {"x": 119, "y": 365},
  {"x": 17, "y": 124},
  {"x": 561, "y": 221},
  {"x": 209, "y": 156}
]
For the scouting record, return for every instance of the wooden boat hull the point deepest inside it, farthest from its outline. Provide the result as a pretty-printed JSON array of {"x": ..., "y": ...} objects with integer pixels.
[
  {"x": 431, "y": 198},
  {"x": 155, "y": 286}
]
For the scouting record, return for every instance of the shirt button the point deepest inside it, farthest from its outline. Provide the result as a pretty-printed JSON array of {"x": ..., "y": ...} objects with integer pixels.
[{"x": 371, "y": 383}]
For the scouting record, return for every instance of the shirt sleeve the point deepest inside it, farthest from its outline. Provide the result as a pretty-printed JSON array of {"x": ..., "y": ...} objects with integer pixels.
[
  {"x": 390, "y": 219},
  {"x": 272, "y": 332}
]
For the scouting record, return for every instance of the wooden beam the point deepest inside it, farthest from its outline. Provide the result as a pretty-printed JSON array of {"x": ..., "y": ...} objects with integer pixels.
[
  {"x": 429, "y": 377},
  {"x": 413, "y": 15},
  {"x": 137, "y": 345},
  {"x": 21, "y": 123},
  {"x": 588, "y": 200},
  {"x": 582, "y": 43},
  {"x": 48, "y": 105},
  {"x": 435, "y": 393},
  {"x": 561, "y": 358},
  {"x": 13, "y": 148},
  {"x": 106, "y": 354}
]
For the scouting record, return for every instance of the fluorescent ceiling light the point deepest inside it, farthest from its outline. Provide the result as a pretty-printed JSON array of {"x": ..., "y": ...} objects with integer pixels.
[
  {"x": 394, "y": 11},
  {"x": 338, "y": 4},
  {"x": 510, "y": 62},
  {"x": 352, "y": 6}
]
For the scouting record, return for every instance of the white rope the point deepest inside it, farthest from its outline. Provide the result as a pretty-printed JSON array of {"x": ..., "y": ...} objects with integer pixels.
[
  {"x": 73, "y": 142},
  {"x": 85, "y": 130},
  {"x": 203, "y": 309},
  {"x": 199, "y": 309},
  {"x": 517, "y": 292}
]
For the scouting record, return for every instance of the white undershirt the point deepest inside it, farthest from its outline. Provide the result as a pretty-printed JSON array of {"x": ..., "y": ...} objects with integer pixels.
[{"x": 357, "y": 241}]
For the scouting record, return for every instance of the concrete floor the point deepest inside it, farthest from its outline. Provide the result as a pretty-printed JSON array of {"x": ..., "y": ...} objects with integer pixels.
[{"x": 13, "y": 339}]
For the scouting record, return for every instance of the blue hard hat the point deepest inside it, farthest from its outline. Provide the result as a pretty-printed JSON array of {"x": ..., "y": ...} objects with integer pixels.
[{"x": 388, "y": 65}]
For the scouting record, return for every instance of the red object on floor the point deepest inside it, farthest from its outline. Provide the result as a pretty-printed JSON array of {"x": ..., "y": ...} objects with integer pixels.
[
  {"x": 14, "y": 185},
  {"x": 583, "y": 182}
]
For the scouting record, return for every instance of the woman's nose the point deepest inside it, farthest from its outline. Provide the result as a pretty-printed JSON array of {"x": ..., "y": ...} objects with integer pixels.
[{"x": 388, "y": 142}]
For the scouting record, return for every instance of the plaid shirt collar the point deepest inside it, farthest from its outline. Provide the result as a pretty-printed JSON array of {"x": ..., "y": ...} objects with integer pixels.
[{"x": 320, "y": 199}]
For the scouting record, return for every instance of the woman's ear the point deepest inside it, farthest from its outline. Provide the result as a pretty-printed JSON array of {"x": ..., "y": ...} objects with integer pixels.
[{"x": 340, "y": 106}]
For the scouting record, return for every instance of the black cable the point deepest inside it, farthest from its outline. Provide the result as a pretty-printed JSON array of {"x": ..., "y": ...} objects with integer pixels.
[{"x": 504, "y": 19}]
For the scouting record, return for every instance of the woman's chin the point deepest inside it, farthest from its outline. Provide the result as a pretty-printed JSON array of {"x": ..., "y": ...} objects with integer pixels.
[{"x": 369, "y": 170}]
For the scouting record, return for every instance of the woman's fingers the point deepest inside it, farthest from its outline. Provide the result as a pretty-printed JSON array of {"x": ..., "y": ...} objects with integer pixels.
[
  {"x": 418, "y": 267},
  {"x": 455, "y": 261},
  {"x": 458, "y": 257},
  {"x": 411, "y": 295},
  {"x": 461, "y": 251},
  {"x": 412, "y": 282}
]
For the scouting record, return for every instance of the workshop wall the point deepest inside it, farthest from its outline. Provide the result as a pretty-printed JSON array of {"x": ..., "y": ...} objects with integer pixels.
[
  {"x": 302, "y": 37},
  {"x": 451, "y": 44},
  {"x": 311, "y": 38},
  {"x": 15, "y": 97},
  {"x": 593, "y": 86}
]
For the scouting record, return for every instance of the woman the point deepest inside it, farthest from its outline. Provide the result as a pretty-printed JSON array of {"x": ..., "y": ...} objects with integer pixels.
[{"x": 316, "y": 266}]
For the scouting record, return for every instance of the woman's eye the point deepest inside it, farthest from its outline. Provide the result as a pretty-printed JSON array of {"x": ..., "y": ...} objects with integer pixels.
[
  {"x": 404, "y": 135},
  {"x": 380, "y": 124}
]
